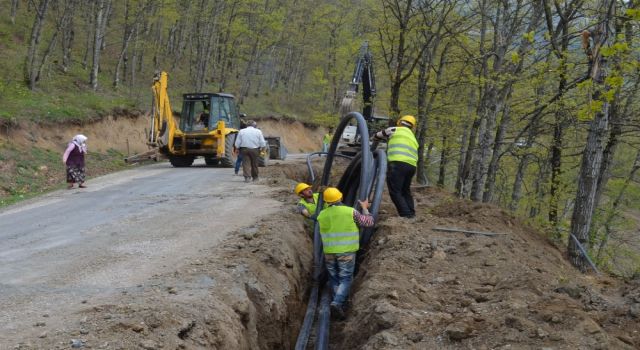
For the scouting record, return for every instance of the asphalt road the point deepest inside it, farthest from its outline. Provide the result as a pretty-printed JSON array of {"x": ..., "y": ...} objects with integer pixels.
[{"x": 70, "y": 246}]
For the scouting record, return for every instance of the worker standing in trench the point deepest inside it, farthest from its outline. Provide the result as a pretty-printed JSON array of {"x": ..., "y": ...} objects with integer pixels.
[
  {"x": 307, "y": 204},
  {"x": 340, "y": 235},
  {"x": 402, "y": 156}
]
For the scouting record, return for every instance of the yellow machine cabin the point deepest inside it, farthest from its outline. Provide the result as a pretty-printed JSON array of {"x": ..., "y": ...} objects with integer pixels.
[{"x": 207, "y": 126}]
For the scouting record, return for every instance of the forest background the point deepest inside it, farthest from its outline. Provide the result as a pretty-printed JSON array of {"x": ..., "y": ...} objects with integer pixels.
[{"x": 531, "y": 105}]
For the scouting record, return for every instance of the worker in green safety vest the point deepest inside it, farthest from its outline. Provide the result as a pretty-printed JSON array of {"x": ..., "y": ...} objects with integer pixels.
[
  {"x": 326, "y": 140},
  {"x": 340, "y": 235},
  {"x": 308, "y": 200},
  {"x": 402, "y": 158}
]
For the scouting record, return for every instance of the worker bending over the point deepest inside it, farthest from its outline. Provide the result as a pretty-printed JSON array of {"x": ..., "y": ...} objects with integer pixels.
[
  {"x": 402, "y": 157},
  {"x": 340, "y": 235}
]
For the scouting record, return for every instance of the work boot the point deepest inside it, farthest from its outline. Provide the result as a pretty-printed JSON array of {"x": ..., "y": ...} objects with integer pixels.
[
  {"x": 337, "y": 311},
  {"x": 247, "y": 179},
  {"x": 255, "y": 179}
]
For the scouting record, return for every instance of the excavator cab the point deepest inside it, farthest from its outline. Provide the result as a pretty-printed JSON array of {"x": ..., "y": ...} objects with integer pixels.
[{"x": 202, "y": 112}]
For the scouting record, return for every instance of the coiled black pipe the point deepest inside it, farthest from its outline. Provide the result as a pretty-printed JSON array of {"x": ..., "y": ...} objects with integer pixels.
[{"x": 362, "y": 179}]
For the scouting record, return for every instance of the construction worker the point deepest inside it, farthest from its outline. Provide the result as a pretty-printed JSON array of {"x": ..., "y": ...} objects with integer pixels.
[
  {"x": 402, "y": 157},
  {"x": 308, "y": 199},
  {"x": 236, "y": 151},
  {"x": 326, "y": 141},
  {"x": 251, "y": 143},
  {"x": 340, "y": 235}
]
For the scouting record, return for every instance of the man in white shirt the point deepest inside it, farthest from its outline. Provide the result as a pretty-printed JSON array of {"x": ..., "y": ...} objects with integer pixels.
[{"x": 250, "y": 141}]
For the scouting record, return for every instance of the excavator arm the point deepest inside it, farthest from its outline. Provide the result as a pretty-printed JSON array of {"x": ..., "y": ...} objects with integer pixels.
[
  {"x": 163, "y": 126},
  {"x": 362, "y": 74}
]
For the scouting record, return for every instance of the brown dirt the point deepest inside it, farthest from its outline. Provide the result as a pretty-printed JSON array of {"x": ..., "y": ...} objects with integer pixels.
[
  {"x": 111, "y": 132},
  {"x": 423, "y": 289},
  {"x": 115, "y": 132},
  {"x": 296, "y": 136}
]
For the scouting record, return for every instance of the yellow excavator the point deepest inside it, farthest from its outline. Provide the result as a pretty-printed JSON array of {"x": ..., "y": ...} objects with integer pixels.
[{"x": 208, "y": 125}]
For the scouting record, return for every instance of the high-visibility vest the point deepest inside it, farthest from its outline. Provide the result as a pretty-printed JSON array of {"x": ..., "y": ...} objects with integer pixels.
[
  {"x": 326, "y": 138},
  {"x": 403, "y": 146},
  {"x": 338, "y": 230},
  {"x": 311, "y": 207}
]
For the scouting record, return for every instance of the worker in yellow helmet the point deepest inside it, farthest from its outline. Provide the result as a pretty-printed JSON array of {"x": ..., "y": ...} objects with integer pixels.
[
  {"x": 326, "y": 140},
  {"x": 308, "y": 200},
  {"x": 340, "y": 235},
  {"x": 402, "y": 157}
]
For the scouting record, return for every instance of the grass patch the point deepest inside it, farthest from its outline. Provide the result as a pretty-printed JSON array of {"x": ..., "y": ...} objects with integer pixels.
[{"x": 26, "y": 173}]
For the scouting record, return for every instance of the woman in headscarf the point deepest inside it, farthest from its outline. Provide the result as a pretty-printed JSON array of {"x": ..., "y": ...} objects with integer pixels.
[{"x": 73, "y": 158}]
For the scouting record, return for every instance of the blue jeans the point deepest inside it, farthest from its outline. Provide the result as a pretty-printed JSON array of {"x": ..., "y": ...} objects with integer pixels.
[
  {"x": 325, "y": 147},
  {"x": 238, "y": 163},
  {"x": 340, "y": 268}
]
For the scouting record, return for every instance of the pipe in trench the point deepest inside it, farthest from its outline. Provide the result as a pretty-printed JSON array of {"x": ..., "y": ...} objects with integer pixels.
[{"x": 369, "y": 181}]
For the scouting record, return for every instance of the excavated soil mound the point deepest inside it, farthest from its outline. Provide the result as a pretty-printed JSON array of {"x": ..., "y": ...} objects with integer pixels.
[
  {"x": 124, "y": 133},
  {"x": 297, "y": 136},
  {"x": 424, "y": 289}
]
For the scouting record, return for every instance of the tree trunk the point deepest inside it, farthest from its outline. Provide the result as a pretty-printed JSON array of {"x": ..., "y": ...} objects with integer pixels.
[
  {"x": 31, "y": 69},
  {"x": 444, "y": 159},
  {"x": 128, "y": 34},
  {"x": 538, "y": 190},
  {"x": 556, "y": 171},
  {"x": 516, "y": 193},
  {"x": 68, "y": 34},
  {"x": 89, "y": 28},
  {"x": 492, "y": 169},
  {"x": 592, "y": 154},
  {"x": 14, "y": 10},
  {"x": 462, "y": 163},
  {"x": 97, "y": 42},
  {"x": 423, "y": 80}
]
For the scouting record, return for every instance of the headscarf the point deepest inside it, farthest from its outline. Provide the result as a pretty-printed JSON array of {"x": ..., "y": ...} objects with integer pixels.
[{"x": 80, "y": 141}]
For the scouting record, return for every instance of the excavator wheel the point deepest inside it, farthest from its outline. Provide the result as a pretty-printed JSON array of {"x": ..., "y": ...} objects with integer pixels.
[
  {"x": 211, "y": 161},
  {"x": 228, "y": 159},
  {"x": 181, "y": 162}
]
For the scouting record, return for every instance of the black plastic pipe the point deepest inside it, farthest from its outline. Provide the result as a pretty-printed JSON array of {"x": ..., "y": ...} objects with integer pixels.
[
  {"x": 324, "y": 316},
  {"x": 363, "y": 178},
  {"x": 305, "y": 330}
]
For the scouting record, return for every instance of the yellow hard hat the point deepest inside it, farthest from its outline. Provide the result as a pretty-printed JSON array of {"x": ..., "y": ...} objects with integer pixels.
[
  {"x": 332, "y": 195},
  {"x": 407, "y": 119},
  {"x": 301, "y": 187}
]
